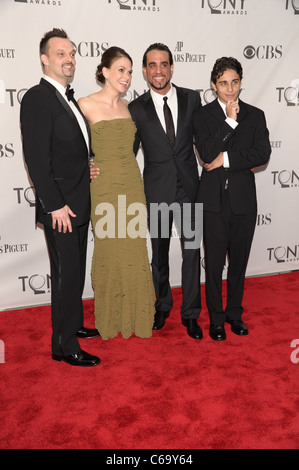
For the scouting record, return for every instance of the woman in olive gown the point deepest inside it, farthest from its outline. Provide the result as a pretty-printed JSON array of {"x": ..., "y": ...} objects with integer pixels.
[{"x": 124, "y": 296}]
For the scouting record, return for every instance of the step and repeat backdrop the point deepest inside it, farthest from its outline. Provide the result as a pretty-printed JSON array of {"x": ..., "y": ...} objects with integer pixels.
[{"x": 262, "y": 34}]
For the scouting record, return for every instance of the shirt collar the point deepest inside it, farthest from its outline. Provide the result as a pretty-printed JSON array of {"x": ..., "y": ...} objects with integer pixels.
[
  {"x": 157, "y": 98},
  {"x": 57, "y": 85}
]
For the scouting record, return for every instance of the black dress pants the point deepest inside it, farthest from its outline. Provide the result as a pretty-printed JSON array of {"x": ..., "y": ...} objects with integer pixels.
[
  {"x": 226, "y": 234},
  {"x": 160, "y": 242},
  {"x": 67, "y": 253}
]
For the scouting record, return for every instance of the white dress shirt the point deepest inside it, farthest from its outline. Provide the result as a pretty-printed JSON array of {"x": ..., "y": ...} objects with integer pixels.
[
  {"x": 232, "y": 123},
  {"x": 172, "y": 103}
]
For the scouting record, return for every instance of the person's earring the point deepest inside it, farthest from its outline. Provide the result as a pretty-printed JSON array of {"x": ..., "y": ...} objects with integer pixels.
[{"x": 107, "y": 82}]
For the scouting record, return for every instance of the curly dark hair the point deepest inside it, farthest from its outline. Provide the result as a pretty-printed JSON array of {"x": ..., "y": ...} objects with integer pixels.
[{"x": 225, "y": 63}]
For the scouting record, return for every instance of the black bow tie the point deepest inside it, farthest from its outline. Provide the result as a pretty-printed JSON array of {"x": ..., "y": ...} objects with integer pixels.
[{"x": 69, "y": 92}]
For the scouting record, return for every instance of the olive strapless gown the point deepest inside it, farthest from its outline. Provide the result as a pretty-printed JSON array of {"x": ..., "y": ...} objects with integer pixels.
[{"x": 124, "y": 295}]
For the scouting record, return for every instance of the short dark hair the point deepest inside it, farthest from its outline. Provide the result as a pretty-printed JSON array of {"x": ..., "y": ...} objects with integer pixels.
[
  {"x": 160, "y": 47},
  {"x": 55, "y": 33},
  {"x": 225, "y": 63},
  {"x": 110, "y": 56}
]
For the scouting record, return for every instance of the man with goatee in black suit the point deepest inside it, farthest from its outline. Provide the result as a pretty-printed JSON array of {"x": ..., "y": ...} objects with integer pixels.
[{"x": 56, "y": 147}]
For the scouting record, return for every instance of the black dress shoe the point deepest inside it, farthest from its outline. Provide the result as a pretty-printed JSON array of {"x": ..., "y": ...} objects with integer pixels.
[
  {"x": 238, "y": 327},
  {"x": 159, "y": 320},
  {"x": 193, "y": 329},
  {"x": 87, "y": 333},
  {"x": 82, "y": 359},
  {"x": 217, "y": 333}
]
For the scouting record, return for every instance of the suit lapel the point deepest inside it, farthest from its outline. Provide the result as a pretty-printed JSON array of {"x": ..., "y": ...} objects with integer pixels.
[
  {"x": 182, "y": 109},
  {"x": 153, "y": 116},
  {"x": 216, "y": 110},
  {"x": 243, "y": 111},
  {"x": 69, "y": 111},
  {"x": 86, "y": 124}
]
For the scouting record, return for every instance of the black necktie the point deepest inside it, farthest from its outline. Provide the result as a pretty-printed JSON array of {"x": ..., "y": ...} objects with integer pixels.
[
  {"x": 169, "y": 122},
  {"x": 69, "y": 92}
]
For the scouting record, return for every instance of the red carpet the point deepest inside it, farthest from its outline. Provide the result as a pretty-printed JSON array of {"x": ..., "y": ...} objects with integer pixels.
[{"x": 166, "y": 392}]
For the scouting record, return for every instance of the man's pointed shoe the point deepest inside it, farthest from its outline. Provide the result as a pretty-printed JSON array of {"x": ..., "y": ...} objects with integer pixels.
[
  {"x": 238, "y": 327},
  {"x": 87, "y": 333},
  {"x": 193, "y": 329},
  {"x": 217, "y": 333},
  {"x": 81, "y": 359},
  {"x": 159, "y": 320}
]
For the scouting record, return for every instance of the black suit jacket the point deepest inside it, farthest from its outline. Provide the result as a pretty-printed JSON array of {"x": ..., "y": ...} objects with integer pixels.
[
  {"x": 163, "y": 164},
  {"x": 248, "y": 147},
  {"x": 56, "y": 154}
]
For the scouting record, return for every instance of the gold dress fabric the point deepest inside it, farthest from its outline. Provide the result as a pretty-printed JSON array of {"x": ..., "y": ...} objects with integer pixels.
[{"x": 121, "y": 276}]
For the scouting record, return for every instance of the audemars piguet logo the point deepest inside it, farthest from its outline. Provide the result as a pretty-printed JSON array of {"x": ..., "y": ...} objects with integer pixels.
[
  {"x": 7, "y": 53},
  {"x": 183, "y": 55}
]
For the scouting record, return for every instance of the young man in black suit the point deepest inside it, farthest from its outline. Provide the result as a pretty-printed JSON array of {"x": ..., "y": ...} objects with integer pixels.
[
  {"x": 232, "y": 139},
  {"x": 170, "y": 176},
  {"x": 57, "y": 148}
]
